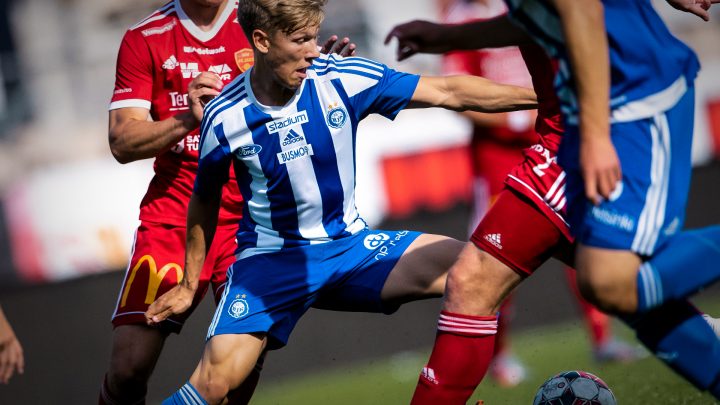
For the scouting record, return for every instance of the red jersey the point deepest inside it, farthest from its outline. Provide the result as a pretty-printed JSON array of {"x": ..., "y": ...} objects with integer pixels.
[
  {"x": 539, "y": 177},
  {"x": 157, "y": 60}
]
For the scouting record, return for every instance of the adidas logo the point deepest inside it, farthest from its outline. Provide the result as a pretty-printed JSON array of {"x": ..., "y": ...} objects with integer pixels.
[
  {"x": 291, "y": 138},
  {"x": 171, "y": 63},
  {"x": 429, "y": 374},
  {"x": 494, "y": 239}
]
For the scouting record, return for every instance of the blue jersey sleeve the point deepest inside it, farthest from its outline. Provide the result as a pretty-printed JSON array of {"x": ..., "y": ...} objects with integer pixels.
[
  {"x": 388, "y": 96},
  {"x": 371, "y": 87},
  {"x": 214, "y": 164}
]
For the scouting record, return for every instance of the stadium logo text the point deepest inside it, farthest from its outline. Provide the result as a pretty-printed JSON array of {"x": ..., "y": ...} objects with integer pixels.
[
  {"x": 155, "y": 278},
  {"x": 291, "y": 121},
  {"x": 295, "y": 153},
  {"x": 248, "y": 150}
]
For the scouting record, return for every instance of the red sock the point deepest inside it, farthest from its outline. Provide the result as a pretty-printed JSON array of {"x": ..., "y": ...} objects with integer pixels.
[{"x": 461, "y": 356}]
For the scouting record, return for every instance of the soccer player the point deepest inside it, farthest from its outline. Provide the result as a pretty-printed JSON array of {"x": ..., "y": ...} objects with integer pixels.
[
  {"x": 496, "y": 148},
  {"x": 288, "y": 127},
  {"x": 652, "y": 74},
  {"x": 11, "y": 352},
  {"x": 186, "y": 45}
]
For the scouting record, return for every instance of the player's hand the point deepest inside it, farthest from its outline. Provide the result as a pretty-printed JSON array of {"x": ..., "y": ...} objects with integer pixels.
[
  {"x": 417, "y": 36},
  {"x": 698, "y": 7},
  {"x": 203, "y": 88},
  {"x": 11, "y": 355},
  {"x": 174, "y": 302},
  {"x": 600, "y": 168},
  {"x": 343, "y": 48}
]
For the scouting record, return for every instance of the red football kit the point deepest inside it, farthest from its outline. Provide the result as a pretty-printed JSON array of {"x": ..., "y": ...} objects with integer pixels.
[
  {"x": 157, "y": 60},
  {"x": 534, "y": 198}
]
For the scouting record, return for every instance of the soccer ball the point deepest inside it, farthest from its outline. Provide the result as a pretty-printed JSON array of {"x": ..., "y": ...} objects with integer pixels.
[{"x": 574, "y": 388}]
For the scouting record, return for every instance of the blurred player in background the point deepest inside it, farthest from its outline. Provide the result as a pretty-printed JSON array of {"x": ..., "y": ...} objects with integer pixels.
[
  {"x": 288, "y": 127},
  {"x": 496, "y": 148},
  {"x": 185, "y": 51},
  {"x": 652, "y": 76},
  {"x": 11, "y": 352}
]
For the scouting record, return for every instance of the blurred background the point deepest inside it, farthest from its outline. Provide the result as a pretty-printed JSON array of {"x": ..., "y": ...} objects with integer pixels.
[{"x": 68, "y": 212}]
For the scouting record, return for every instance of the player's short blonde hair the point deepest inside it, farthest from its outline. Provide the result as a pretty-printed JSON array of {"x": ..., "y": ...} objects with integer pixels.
[{"x": 286, "y": 16}]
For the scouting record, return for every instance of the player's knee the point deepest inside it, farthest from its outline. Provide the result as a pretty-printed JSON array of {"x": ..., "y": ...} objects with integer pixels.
[
  {"x": 610, "y": 296},
  {"x": 213, "y": 389},
  {"x": 127, "y": 383},
  {"x": 471, "y": 287}
]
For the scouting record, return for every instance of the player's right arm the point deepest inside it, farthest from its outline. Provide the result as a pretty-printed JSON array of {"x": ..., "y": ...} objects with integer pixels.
[
  {"x": 583, "y": 25},
  {"x": 131, "y": 135},
  {"x": 427, "y": 37}
]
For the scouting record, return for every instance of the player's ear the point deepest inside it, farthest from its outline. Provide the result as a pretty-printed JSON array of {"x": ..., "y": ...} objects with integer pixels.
[{"x": 261, "y": 40}]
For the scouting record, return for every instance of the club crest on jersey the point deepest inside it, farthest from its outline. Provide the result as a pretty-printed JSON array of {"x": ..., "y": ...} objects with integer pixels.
[
  {"x": 244, "y": 59},
  {"x": 239, "y": 307},
  {"x": 246, "y": 151},
  {"x": 336, "y": 116}
]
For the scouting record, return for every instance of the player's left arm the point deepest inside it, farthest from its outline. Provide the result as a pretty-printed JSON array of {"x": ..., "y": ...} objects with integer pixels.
[
  {"x": 698, "y": 7},
  {"x": 462, "y": 93},
  {"x": 212, "y": 174},
  {"x": 201, "y": 224},
  {"x": 583, "y": 23}
]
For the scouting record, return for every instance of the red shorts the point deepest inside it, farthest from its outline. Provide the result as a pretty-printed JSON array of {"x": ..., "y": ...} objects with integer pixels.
[
  {"x": 520, "y": 235},
  {"x": 157, "y": 265}
]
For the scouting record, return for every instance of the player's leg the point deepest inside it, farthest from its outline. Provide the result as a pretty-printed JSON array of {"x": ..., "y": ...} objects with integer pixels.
[
  {"x": 154, "y": 268},
  {"x": 135, "y": 351},
  {"x": 421, "y": 271},
  {"x": 505, "y": 369},
  {"x": 513, "y": 239},
  {"x": 642, "y": 220},
  {"x": 605, "y": 346},
  {"x": 221, "y": 256},
  {"x": 226, "y": 362}
]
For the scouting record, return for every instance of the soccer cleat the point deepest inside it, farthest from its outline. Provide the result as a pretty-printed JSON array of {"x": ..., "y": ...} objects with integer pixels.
[
  {"x": 617, "y": 351},
  {"x": 507, "y": 371},
  {"x": 714, "y": 324}
]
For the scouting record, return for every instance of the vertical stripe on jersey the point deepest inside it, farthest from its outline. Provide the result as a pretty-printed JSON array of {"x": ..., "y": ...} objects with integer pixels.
[
  {"x": 652, "y": 216},
  {"x": 348, "y": 171},
  {"x": 282, "y": 214},
  {"x": 331, "y": 155},
  {"x": 221, "y": 304}
]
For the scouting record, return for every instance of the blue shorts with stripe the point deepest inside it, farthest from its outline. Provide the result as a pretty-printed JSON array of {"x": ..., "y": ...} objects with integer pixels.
[
  {"x": 648, "y": 207},
  {"x": 268, "y": 293}
]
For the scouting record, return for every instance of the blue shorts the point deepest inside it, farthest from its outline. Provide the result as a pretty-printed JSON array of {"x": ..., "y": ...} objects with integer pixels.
[
  {"x": 649, "y": 206},
  {"x": 268, "y": 293}
]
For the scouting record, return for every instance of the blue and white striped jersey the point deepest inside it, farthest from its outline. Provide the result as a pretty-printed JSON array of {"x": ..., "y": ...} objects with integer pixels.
[
  {"x": 295, "y": 164},
  {"x": 650, "y": 68}
]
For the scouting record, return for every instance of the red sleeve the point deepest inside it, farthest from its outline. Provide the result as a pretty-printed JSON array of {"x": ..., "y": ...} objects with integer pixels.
[{"x": 134, "y": 73}]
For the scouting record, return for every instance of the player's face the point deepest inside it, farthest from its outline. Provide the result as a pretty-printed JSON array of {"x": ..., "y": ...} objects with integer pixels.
[
  {"x": 209, "y": 3},
  {"x": 290, "y": 55}
]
